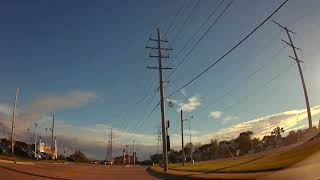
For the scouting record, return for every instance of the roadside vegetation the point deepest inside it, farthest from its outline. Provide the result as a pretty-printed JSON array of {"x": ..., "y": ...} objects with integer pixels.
[{"x": 247, "y": 153}]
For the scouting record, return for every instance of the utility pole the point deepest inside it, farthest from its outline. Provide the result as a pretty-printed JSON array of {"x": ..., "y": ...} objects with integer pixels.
[
  {"x": 162, "y": 103},
  {"x": 35, "y": 141},
  {"x": 127, "y": 149},
  {"x": 134, "y": 153},
  {"x": 46, "y": 136},
  {"x": 64, "y": 152},
  {"x": 28, "y": 140},
  {"x": 55, "y": 147},
  {"x": 182, "y": 143},
  {"x": 40, "y": 143},
  {"x": 13, "y": 119},
  {"x": 110, "y": 145},
  {"x": 290, "y": 43},
  {"x": 1, "y": 131},
  {"x": 298, "y": 132},
  {"x": 52, "y": 129},
  {"x": 107, "y": 146},
  {"x": 124, "y": 158}
]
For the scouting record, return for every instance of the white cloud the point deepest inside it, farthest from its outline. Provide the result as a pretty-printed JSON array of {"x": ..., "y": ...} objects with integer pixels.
[
  {"x": 192, "y": 104},
  {"x": 229, "y": 118},
  {"x": 62, "y": 101},
  {"x": 215, "y": 114},
  {"x": 92, "y": 139},
  {"x": 263, "y": 125},
  {"x": 52, "y": 103}
]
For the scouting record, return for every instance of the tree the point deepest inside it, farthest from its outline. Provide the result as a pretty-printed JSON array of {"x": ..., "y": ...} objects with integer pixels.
[
  {"x": 188, "y": 150},
  {"x": 244, "y": 141},
  {"x": 79, "y": 156},
  {"x": 156, "y": 158},
  {"x": 268, "y": 141},
  {"x": 174, "y": 156},
  {"x": 213, "y": 147},
  {"x": 277, "y": 132}
]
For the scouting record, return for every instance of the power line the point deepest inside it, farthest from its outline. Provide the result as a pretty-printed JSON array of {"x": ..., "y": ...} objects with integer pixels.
[
  {"x": 228, "y": 52},
  {"x": 143, "y": 113},
  {"x": 197, "y": 31},
  {"x": 199, "y": 40},
  {"x": 186, "y": 20},
  {"x": 175, "y": 17},
  {"x": 147, "y": 117},
  {"x": 246, "y": 80},
  {"x": 257, "y": 90}
]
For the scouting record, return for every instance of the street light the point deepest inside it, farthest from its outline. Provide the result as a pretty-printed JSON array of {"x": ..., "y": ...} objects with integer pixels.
[
  {"x": 35, "y": 141},
  {"x": 134, "y": 153},
  {"x": 0, "y": 131},
  {"x": 28, "y": 143}
]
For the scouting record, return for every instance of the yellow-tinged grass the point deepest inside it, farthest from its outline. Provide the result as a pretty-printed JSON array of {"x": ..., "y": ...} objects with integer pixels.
[
  {"x": 209, "y": 166},
  {"x": 272, "y": 161},
  {"x": 277, "y": 161}
]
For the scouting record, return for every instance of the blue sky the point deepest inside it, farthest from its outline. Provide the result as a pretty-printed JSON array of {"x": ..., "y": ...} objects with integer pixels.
[{"x": 86, "y": 62}]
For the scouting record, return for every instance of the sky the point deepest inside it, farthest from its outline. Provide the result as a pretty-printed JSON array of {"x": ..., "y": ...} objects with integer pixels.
[{"x": 86, "y": 63}]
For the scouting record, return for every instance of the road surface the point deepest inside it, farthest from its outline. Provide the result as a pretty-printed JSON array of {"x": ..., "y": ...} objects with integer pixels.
[{"x": 41, "y": 171}]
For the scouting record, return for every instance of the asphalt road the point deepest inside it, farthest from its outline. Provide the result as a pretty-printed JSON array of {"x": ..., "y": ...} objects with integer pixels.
[{"x": 41, "y": 171}]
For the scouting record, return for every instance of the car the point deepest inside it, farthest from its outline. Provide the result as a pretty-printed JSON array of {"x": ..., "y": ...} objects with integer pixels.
[
  {"x": 4, "y": 149},
  {"x": 20, "y": 151},
  {"x": 37, "y": 156},
  {"x": 94, "y": 162},
  {"x": 108, "y": 162}
]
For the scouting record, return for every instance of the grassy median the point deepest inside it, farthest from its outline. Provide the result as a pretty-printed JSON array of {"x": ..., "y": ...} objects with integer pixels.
[{"x": 272, "y": 161}]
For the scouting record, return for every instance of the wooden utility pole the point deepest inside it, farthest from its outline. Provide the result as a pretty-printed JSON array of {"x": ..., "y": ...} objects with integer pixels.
[
  {"x": 1, "y": 131},
  {"x": 134, "y": 153},
  {"x": 46, "y": 137},
  {"x": 182, "y": 143},
  {"x": 162, "y": 103},
  {"x": 28, "y": 139},
  {"x": 290, "y": 43},
  {"x": 13, "y": 120},
  {"x": 124, "y": 158}
]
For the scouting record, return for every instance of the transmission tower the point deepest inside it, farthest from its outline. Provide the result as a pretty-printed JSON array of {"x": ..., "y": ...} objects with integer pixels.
[{"x": 296, "y": 59}]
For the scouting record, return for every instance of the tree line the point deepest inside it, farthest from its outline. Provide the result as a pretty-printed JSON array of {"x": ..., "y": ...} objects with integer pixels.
[{"x": 245, "y": 143}]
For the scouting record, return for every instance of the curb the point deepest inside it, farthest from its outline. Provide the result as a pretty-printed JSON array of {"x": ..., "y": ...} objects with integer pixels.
[
  {"x": 200, "y": 176},
  {"x": 16, "y": 162}
]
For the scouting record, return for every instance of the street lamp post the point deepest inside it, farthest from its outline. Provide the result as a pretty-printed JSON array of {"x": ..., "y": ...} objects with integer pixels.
[
  {"x": 35, "y": 141},
  {"x": 28, "y": 139},
  {"x": 0, "y": 131}
]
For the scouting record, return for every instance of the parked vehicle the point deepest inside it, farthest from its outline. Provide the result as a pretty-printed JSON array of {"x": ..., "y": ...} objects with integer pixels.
[
  {"x": 4, "y": 150},
  {"x": 94, "y": 162}
]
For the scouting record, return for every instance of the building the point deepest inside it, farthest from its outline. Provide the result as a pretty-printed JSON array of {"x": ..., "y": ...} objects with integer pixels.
[{"x": 121, "y": 159}]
